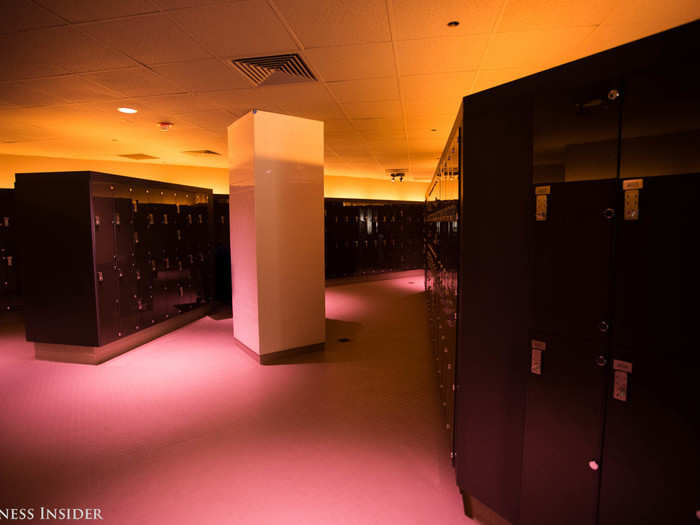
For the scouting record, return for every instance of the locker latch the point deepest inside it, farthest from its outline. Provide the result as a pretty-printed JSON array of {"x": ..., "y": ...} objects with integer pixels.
[
  {"x": 117, "y": 219},
  {"x": 631, "y": 188},
  {"x": 98, "y": 220},
  {"x": 541, "y": 197},
  {"x": 136, "y": 237},
  {"x": 151, "y": 221},
  {"x": 621, "y": 368},
  {"x": 135, "y": 204},
  {"x": 165, "y": 218},
  {"x": 100, "y": 277},
  {"x": 537, "y": 347},
  {"x": 9, "y": 260}
]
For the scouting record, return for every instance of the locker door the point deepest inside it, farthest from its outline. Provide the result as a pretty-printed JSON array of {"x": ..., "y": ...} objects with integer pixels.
[
  {"x": 565, "y": 391},
  {"x": 107, "y": 279}
]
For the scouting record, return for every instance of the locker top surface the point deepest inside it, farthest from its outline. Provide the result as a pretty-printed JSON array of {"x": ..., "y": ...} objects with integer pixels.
[{"x": 96, "y": 176}]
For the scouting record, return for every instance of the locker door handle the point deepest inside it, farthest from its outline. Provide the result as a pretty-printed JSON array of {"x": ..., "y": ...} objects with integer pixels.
[
  {"x": 603, "y": 326},
  {"x": 593, "y": 464}
]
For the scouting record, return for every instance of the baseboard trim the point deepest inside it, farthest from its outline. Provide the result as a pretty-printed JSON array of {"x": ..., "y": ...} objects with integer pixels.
[
  {"x": 418, "y": 273},
  {"x": 94, "y": 355},
  {"x": 274, "y": 357}
]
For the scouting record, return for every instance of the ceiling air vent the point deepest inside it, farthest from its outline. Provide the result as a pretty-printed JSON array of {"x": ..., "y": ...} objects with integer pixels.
[
  {"x": 201, "y": 152},
  {"x": 276, "y": 69},
  {"x": 138, "y": 156}
]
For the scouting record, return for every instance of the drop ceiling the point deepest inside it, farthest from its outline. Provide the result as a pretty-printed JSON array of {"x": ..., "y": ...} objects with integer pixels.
[{"x": 391, "y": 72}]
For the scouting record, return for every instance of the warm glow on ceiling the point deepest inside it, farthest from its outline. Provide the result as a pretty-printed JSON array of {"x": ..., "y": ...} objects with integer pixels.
[
  {"x": 391, "y": 74},
  {"x": 127, "y": 110}
]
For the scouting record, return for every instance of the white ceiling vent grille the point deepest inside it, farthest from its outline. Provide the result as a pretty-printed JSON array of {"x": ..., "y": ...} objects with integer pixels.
[{"x": 277, "y": 69}]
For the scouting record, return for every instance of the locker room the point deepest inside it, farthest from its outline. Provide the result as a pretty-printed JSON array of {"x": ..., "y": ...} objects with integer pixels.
[{"x": 277, "y": 262}]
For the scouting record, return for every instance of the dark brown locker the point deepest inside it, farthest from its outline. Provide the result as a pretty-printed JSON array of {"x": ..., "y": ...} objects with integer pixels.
[{"x": 651, "y": 465}]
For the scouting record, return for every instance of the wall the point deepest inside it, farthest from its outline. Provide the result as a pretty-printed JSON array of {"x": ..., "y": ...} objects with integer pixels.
[{"x": 214, "y": 178}]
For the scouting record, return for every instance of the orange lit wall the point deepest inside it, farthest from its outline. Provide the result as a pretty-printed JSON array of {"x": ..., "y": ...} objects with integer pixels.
[{"x": 215, "y": 178}]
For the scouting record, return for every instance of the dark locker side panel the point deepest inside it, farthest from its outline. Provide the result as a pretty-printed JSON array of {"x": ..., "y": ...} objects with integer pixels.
[
  {"x": 58, "y": 283},
  {"x": 494, "y": 289}
]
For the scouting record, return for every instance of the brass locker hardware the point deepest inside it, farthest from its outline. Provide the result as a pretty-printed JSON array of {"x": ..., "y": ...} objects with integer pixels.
[
  {"x": 223, "y": 220},
  {"x": 98, "y": 220},
  {"x": 136, "y": 237},
  {"x": 6, "y": 221},
  {"x": 631, "y": 188},
  {"x": 593, "y": 464},
  {"x": 609, "y": 213},
  {"x": 138, "y": 275},
  {"x": 541, "y": 202},
  {"x": 189, "y": 218},
  {"x": 613, "y": 94},
  {"x": 9, "y": 260},
  {"x": 603, "y": 326},
  {"x": 177, "y": 206},
  {"x": 179, "y": 235},
  {"x": 100, "y": 277},
  {"x": 199, "y": 218},
  {"x": 111, "y": 188},
  {"x": 601, "y": 360},
  {"x": 181, "y": 291},
  {"x": 131, "y": 190},
  {"x": 135, "y": 206},
  {"x": 151, "y": 220},
  {"x": 165, "y": 218},
  {"x": 117, "y": 219},
  {"x": 621, "y": 368},
  {"x": 537, "y": 347}
]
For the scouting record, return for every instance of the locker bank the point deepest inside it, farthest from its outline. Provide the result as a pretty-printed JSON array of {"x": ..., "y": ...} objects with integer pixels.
[{"x": 353, "y": 262}]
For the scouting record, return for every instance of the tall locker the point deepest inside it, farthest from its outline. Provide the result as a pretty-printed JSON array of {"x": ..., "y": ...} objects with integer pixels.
[
  {"x": 572, "y": 226},
  {"x": 651, "y": 462}
]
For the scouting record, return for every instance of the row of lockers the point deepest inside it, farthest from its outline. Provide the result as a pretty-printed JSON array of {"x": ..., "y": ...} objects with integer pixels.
[
  {"x": 135, "y": 253},
  {"x": 365, "y": 237},
  {"x": 577, "y": 356},
  {"x": 9, "y": 260}
]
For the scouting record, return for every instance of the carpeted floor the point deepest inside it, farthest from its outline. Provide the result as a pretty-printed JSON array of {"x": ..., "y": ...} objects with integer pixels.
[{"x": 189, "y": 429}]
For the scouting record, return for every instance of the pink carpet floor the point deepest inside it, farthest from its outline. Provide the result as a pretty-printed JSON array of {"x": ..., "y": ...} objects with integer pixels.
[{"x": 188, "y": 429}]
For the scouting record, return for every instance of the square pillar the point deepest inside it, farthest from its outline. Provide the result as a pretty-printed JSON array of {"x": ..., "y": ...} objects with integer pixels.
[{"x": 277, "y": 233}]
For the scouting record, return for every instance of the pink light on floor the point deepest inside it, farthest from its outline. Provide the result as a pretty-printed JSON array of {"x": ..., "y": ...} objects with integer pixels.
[{"x": 189, "y": 429}]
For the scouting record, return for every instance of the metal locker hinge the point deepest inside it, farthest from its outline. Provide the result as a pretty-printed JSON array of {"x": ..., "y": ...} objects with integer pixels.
[
  {"x": 621, "y": 368},
  {"x": 631, "y": 188},
  {"x": 537, "y": 347},
  {"x": 541, "y": 197},
  {"x": 100, "y": 277}
]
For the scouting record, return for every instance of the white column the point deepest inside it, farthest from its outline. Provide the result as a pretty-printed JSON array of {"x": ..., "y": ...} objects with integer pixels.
[{"x": 277, "y": 221}]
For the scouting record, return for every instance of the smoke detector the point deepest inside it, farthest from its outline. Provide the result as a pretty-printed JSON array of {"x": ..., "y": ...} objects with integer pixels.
[{"x": 165, "y": 126}]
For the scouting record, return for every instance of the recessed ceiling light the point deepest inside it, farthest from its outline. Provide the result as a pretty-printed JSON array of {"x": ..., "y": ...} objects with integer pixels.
[
  {"x": 453, "y": 23},
  {"x": 433, "y": 129},
  {"x": 127, "y": 110}
]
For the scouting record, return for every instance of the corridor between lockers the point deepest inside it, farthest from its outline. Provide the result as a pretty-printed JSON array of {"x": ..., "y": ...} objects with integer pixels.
[{"x": 189, "y": 429}]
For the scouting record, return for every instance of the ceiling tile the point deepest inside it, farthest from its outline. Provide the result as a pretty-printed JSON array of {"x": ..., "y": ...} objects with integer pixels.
[
  {"x": 20, "y": 15},
  {"x": 180, "y": 103},
  {"x": 203, "y": 75},
  {"x": 72, "y": 50},
  {"x": 374, "y": 126},
  {"x": 488, "y": 78},
  {"x": 75, "y": 88},
  {"x": 84, "y": 10},
  {"x": 26, "y": 94},
  {"x": 149, "y": 39},
  {"x": 240, "y": 101},
  {"x": 436, "y": 93},
  {"x": 337, "y": 22},
  {"x": 634, "y": 19},
  {"x": 366, "y": 90},
  {"x": 438, "y": 55},
  {"x": 533, "y": 50},
  {"x": 216, "y": 121},
  {"x": 241, "y": 29},
  {"x": 351, "y": 62},
  {"x": 383, "y": 109},
  {"x": 421, "y": 19},
  {"x": 134, "y": 82},
  {"x": 308, "y": 100},
  {"x": 527, "y": 15}
]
